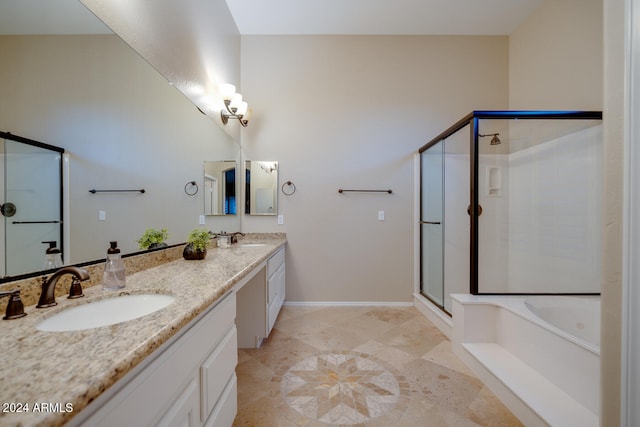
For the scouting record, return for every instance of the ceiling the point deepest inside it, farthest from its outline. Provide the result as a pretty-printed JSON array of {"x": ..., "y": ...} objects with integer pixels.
[
  {"x": 388, "y": 17},
  {"x": 282, "y": 17}
]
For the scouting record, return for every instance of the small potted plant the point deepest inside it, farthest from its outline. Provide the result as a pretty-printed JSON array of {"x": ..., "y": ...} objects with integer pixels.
[
  {"x": 152, "y": 239},
  {"x": 197, "y": 244}
]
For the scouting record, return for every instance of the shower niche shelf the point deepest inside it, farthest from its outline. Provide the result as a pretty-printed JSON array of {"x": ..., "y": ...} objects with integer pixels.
[{"x": 494, "y": 181}]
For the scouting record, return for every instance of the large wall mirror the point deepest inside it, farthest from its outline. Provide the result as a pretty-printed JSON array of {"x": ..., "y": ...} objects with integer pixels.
[
  {"x": 261, "y": 187},
  {"x": 120, "y": 123}
]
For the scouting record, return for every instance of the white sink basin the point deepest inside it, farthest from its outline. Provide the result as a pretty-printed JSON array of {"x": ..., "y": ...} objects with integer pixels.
[{"x": 105, "y": 312}]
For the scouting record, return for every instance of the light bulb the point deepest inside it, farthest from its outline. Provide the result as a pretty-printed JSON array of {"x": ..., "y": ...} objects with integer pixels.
[
  {"x": 242, "y": 108},
  {"x": 227, "y": 91},
  {"x": 235, "y": 101}
]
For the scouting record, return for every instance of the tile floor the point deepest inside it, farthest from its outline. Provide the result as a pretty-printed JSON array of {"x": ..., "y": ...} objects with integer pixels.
[{"x": 360, "y": 366}]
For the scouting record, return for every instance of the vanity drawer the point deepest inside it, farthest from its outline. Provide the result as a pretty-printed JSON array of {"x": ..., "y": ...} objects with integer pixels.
[
  {"x": 218, "y": 324},
  {"x": 225, "y": 411},
  {"x": 215, "y": 372},
  {"x": 274, "y": 262}
]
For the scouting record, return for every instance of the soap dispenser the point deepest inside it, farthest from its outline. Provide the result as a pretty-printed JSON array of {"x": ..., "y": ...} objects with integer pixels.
[
  {"x": 114, "y": 276},
  {"x": 53, "y": 259},
  {"x": 224, "y": 240}
]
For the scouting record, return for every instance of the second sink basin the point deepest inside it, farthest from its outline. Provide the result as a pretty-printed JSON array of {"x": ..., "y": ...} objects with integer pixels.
[{"x": 105, "y": 312}]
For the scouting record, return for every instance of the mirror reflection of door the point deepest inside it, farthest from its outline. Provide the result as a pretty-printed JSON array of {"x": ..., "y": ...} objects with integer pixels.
[
  {"x": 220, "y": 187},
  {"x": 210, "y": 195},
  {"x": 32, "y": 203}
]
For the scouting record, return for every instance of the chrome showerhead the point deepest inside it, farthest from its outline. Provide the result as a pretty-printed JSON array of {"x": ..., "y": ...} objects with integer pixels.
[{"x": 495, "y": 140}]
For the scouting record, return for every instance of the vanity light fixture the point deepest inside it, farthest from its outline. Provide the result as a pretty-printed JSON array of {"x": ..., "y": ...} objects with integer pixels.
[{"x": 235, "y": 107}]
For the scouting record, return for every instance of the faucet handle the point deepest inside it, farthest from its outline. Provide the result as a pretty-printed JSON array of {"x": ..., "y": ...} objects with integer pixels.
[
  {"x": 234, "y": 236},
  {"x": 75, "y": 291},
  {"x": 15, "y": 308}
]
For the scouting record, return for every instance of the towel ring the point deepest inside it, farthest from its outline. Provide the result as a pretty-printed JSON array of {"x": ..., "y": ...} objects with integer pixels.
[
  {"x": 290, "y": 191},
  {"x": 192, "y": 183}
]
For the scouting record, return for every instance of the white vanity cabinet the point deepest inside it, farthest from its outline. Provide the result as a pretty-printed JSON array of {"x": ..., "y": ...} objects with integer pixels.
[
  {"x": 192, "y": 381},
  {"x": 275, "y": 287},
  {"x": 260, "y": 299}
]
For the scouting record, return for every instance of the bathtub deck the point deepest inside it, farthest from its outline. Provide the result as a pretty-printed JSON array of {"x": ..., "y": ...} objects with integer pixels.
[
  {"x": 552, "y": 405},
  {"x": 544, "y": 378}
]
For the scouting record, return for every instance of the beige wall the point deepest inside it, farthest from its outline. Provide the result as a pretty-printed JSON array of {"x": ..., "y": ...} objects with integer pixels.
[
  {"x": 350, "y": 112},
  {"x": 555, "y": 57}
]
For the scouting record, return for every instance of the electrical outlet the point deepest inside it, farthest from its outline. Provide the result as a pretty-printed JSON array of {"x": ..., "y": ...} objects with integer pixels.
[
  {"x": 201, "y": 220},
  {"x": 280, "y": 219},
  {"x": 380, "y": 215},
  {"x": 102, "y": 216}
]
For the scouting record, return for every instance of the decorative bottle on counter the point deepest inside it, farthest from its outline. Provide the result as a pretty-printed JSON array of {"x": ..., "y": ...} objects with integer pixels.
[
  {"x": 114, "y": 275},
  {"x": 52, "y": 256}
]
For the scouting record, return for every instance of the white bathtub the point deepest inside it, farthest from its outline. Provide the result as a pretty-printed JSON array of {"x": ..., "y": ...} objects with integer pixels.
[
  {"x": 579, "y": 317},
  {"x": 540, "y": 355}
]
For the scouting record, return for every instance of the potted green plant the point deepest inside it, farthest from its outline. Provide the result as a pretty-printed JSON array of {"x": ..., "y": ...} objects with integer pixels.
[
  {"x": 197, "y": 244},
  {"x": 153, "y": 238}
]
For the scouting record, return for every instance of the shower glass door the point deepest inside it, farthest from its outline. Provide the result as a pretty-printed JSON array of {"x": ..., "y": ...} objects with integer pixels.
[
  {"x": 432, "y": 223},
  {"x": 31, "y": 205}
]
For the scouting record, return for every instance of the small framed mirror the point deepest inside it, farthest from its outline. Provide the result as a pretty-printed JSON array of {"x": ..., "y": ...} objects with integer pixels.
[
  {"x": 261, "y": 191},
  {"x": 220, "y": 187}
]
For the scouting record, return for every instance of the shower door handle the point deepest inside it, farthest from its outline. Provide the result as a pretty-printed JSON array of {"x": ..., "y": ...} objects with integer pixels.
[
  {"x": 430, "y": 222},
  {"x": 479, "y": 210}
]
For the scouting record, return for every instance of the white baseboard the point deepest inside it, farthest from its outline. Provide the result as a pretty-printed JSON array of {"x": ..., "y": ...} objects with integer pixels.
[
  {"x": 347, "y": 304},
  {"x": 434, "y": 314}
]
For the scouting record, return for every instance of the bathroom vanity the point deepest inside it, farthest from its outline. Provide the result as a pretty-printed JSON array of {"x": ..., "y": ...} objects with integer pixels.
[{"x": 175, "y": 366}]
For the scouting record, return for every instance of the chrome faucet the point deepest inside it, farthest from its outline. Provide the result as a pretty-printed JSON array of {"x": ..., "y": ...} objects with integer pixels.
[
  {"x": 48, "y": 298},
  {"x": 15, "y": 309}
]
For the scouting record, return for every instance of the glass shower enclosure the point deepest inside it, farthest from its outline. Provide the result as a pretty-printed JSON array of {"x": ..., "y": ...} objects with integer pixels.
[
  {"x": 510, "y": 203},
  {"x": 30, "y": 203}
]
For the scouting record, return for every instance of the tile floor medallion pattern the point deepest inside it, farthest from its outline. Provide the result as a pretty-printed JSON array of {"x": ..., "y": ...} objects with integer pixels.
[
  {"x": 343, "y": 388},
  {"x": 360, "y": 366}
]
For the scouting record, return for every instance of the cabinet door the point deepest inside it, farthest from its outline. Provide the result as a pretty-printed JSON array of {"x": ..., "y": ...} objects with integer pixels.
[{"x": 184, "y": 412}]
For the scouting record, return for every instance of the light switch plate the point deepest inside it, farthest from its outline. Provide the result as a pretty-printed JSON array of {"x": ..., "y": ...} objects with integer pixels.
[
  {"x": 201, "y": 220},
  {"x": 380, "y": 215},
  {"x": 280, "y": 219},
  {"x": 102, "y": 215}
]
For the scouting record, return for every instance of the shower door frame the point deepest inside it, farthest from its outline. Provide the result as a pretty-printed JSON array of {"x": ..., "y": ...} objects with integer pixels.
[
  {"x": 61, "y": 151},
  {"x": 472, "y": 119},
  {"x": 441, "y": 138}
]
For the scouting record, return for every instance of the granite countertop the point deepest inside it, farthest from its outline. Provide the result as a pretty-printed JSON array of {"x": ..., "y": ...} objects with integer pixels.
[{"x": 68, "y": 370}]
